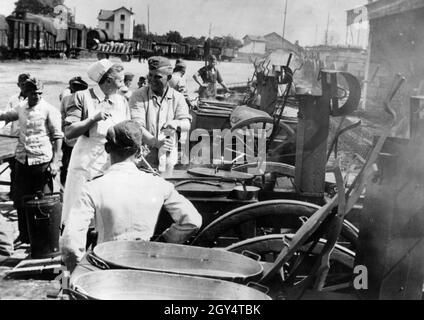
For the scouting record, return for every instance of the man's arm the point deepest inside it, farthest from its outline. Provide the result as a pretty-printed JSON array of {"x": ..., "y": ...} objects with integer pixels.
[
  {"x": 54, "y": 123},
  {"x": 74, "y": 238},
  {"x": 187, "y": 219},
  {"x": 74, "y": 126},
  {"x": 221, "y": 81},
  {"x": 10, "y": 115}
]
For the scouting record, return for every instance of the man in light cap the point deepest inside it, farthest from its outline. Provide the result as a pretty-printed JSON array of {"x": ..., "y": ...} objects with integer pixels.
[
  {"x": 89, "y": 116},
  {"x": 207, "y": 77},
  {"x": 158, "y": 106},
  {"x": 114, "y": 201},
  {"x": 37, "y": 153}
]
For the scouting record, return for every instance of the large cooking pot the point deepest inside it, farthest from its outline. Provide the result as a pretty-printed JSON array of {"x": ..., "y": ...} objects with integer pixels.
[
  {"x": 146, "y": 285},
  {"x": 178, "y": 259}
]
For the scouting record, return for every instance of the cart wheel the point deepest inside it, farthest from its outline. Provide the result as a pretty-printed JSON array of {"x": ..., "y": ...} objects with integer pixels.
[
  {"x": 281, "y": 148},
  {"x": 264, "y": 218},
  {"x": 292, "y": 273}
]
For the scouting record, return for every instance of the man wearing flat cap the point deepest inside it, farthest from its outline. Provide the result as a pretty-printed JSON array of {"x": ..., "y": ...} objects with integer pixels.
[
  {"x": 88, "y": 118},
  {"x": 38, "y": 150},
  {"x": 207, "y": 77},
  {"x": 158, "y": 106},
  {"x": 113, "y": 201}
]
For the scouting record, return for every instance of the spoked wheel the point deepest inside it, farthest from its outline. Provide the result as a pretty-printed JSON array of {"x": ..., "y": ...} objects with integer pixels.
[
  {"x": 264, "y": 218},
  {"x": 254, "y": 133},
  {"x": 300, "y": 265}
]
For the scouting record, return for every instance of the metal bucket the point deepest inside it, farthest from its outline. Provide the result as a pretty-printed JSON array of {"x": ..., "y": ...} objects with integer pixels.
[
  {"x": 179, "y": 259},
  {"x": 145, "y": 285},
  {"x": 43, "y": 214}
]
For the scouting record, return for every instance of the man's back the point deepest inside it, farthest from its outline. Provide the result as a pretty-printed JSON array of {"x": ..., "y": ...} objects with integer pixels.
[{"x": 128, "y": 201}]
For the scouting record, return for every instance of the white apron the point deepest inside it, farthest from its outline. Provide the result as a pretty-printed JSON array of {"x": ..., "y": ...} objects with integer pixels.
[{"x": 89, "y": 158}]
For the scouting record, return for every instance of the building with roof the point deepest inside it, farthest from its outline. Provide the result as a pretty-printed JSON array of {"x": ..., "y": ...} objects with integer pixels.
[
  {"x": 118, "y": 24},
  {"x": 253, "y": 45},
  {"x": 395, "y": 46}
]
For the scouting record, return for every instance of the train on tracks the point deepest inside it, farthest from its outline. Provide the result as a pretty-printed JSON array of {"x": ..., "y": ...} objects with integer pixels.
[{"x": 27, "y": 35}]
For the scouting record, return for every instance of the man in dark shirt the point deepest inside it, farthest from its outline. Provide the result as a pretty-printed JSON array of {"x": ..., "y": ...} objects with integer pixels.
[{"x": 207, "y": 77}]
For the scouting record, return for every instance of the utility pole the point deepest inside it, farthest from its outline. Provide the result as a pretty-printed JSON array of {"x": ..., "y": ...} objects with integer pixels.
[
  {"x": 285, "y": 16},
  {"x": 326, "y": 32},
  {"x": 148, "y": 19},
  {"x": 210, "y": 29},
  {"x": 316, "y": 34}
]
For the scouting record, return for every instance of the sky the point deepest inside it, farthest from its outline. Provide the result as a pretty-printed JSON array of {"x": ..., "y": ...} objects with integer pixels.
[{"x": 306, "y": 20}]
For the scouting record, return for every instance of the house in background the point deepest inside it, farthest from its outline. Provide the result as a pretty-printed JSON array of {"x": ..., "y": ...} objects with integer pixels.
[
  {"x": 276, "y": 42},
  {"x": 118, "y": 24},
  {"x": 253, "y": 45}
]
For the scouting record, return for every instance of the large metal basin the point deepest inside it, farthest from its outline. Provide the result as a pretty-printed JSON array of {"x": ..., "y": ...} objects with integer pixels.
[
  {"x": 145, "y": 285},
  {"x": 179, "y": 259}
]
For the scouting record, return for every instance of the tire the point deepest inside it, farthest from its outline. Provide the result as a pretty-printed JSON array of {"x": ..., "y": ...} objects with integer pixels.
[{"x": 280, "y": 214}]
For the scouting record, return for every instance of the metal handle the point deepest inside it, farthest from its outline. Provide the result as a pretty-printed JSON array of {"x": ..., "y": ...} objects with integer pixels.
[
  {"x": 99, "y": 263},
  {"x": 251, "y": 255},
  {"x": 77, "y": 293},
  {"x": 259, "y": 287}
]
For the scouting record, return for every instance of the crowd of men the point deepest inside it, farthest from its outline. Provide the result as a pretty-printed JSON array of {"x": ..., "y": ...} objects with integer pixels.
[{"x": 96, "y": 142}]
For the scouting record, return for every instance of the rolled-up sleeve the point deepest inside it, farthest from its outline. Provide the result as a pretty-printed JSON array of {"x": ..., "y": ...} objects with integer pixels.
[
  {"x": 137, "y": 108},
  {"x": 74, "y": 237},
  {"x": 55, "y": 124},
  {"x": 180, "y": 208},
  {"x": 181, "y": 108}
]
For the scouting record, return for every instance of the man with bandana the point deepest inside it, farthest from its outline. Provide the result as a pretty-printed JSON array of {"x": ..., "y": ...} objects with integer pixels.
[{"x": 157, "y": 106}]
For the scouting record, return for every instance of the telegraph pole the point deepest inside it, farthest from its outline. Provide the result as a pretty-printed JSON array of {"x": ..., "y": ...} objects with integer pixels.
[
  {"x": 326, "y": 32},
  {"x": 148, "y": 19},
  {"x": 285, "y": 16}
]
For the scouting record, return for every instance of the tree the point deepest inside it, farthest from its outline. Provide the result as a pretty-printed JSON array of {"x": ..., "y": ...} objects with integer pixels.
[
  {"x": 231, "y": 42},
  {"x": 140, "y": 31},
  {"x": 37, "y": 6},
  {"x": 174, "y": 36}
]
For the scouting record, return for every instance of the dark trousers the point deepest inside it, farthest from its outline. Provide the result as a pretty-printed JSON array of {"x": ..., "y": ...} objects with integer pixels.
[
  {"x": 12, "y": 164},
  {"x": 66, "y": 157},
  {"x": 28, "y": 181}
]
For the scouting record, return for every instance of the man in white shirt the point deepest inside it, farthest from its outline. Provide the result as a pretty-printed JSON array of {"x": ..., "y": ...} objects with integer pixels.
[{"x": 125, "y": 202}]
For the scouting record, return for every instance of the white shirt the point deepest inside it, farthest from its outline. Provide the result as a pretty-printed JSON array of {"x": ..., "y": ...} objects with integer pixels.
[
  {"x": 125, "y": 204},
  {"x": 12, "y": 128}
]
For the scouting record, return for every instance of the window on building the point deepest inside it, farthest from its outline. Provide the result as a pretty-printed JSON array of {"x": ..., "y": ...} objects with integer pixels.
[
  {"x": 122, "y": 17},
  {"x": 107, "y": 25},
  {"x": 122, "y": 28}
]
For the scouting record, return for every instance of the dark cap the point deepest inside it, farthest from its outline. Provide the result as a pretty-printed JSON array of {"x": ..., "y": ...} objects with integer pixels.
[
  {"x": 161, "y": 64},
  {"x": 77, "y": 84},
  {"x": 212, "y": 58},
  {"x": 180, "y": 65},
  {"x": 33, "y": 84},
  {"x": 125, "y": 136},
  {"x": 23, "y": 77},
  {"x": 128, "y": 76}
]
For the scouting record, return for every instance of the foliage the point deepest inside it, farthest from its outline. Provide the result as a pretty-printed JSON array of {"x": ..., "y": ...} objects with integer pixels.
[
  {"x": 174, "y": 36},
  {"x": 37, "y": 6},
  {"x": 140, "y": 31}
]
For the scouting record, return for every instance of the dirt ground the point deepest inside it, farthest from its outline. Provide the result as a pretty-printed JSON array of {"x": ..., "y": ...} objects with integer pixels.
[{"x": 55, "y": 75}]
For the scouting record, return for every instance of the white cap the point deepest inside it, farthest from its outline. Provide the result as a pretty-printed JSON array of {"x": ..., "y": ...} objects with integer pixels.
[{"x": 97, "y": 70}]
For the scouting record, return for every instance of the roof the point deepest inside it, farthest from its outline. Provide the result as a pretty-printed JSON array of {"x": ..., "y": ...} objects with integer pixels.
[
  {"x": 254, "y": 38},
  {"x": 383, "y": 8},
  {"x": 106, "y": 15},
  {"x": 3, "y": 23},
  {"x": 130, "y": 11}
]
